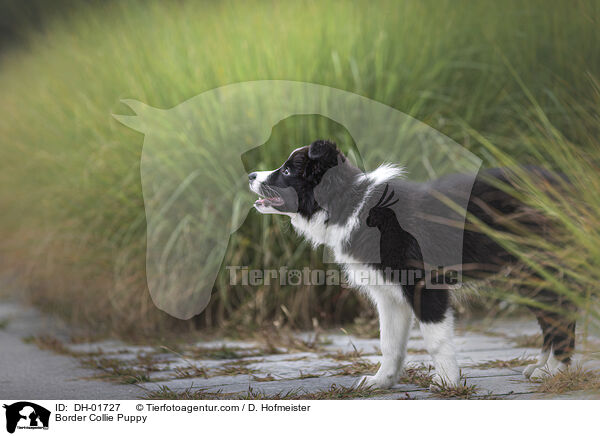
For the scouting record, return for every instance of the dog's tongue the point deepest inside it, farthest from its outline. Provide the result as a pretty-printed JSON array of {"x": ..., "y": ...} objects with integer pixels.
[{"x": 269, "y": 201}]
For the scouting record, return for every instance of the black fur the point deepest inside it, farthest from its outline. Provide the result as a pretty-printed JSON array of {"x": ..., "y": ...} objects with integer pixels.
[{"x": 402, "y": 259}]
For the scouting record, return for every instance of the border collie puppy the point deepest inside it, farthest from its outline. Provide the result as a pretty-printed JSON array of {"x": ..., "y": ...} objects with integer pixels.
[{"x": 374, "y": 223}]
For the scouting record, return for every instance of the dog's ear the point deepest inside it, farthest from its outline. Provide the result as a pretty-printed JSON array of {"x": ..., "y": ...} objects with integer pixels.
[
  {"x": 322, "y": 155},
  {"x": 323, "y": 150}
]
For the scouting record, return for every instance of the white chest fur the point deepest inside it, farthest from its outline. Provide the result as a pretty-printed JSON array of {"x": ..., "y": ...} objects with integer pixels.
[{"x": 360, "y": 276}]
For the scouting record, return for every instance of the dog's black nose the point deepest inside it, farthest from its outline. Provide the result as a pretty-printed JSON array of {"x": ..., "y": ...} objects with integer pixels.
[{"x": 251, "y": 176}]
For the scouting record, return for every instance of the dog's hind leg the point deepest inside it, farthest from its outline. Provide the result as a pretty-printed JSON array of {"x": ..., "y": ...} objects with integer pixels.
[
  {"x": 432, "y": 308},
  {"x": 563, "y": 343},
  {"x": 559, "y": 344},
  {"x": 542, "y": 317},
  {"x": 395, "y": 316},
  {"x": 438, "y": 341}
]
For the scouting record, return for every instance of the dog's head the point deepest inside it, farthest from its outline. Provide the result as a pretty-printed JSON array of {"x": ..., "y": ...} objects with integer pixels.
[{"x": 290, "y": 188}]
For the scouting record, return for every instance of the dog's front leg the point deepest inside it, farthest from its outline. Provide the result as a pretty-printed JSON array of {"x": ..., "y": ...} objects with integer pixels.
[{"x": 395, "y": 317}]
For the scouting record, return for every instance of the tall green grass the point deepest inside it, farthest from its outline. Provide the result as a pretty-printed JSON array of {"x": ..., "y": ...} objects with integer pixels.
[{"x": 512, "y": 81}]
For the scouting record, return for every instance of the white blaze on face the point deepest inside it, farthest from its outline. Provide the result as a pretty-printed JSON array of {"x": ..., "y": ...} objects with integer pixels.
[
  {"x": 261, "y": 177},
  {"x": 264, "y": 205}
]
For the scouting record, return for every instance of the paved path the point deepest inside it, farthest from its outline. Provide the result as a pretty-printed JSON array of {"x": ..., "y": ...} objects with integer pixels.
[
  {"x": 27, "y": 372},
  {"x": 297, "y": 366}
]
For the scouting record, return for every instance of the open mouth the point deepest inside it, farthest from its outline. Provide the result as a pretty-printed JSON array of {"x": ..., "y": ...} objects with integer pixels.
[{"x": 269, "y": 201}]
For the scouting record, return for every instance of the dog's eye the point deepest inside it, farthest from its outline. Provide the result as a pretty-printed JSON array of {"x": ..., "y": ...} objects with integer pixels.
[{"x": 286, "y": 171}]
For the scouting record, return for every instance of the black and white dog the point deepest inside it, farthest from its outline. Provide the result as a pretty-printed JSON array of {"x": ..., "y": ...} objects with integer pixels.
[{"x": 355, "y": 214}]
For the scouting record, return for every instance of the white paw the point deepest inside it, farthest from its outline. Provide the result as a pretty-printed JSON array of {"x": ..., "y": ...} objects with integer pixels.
[
  {"x": 540, "y": 373},
  {"x": 547, "y": 371},
  {"x": 438, "y": 382},
  {"x": 529, "y": 369},
  {"x": 377, "y": 382}
]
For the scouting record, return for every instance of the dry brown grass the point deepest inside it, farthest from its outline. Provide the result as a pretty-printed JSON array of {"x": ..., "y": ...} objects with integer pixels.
[
  {"x": 191, "y": 371},
  {"x": 344, "y": 356},
  {"x": 233, "y": 368},
  {"x": 236, "y": 367},
  {"x": 221, "y": 353},
  {"x": 527, "y": 341},
  {"x": 117, "y": 370},
  {"x": 333, "y": 392},
  {"x": 572, "y": 379},
  {"x": 461, "y": 391},
  {"x": 410, "y": 350},
  {"x": 304, "y": 375},
  {"x": 276, "y": 341},
  {"x": 417, "y": 375},
  {"x": 58, "y": 346},
  {"x": 360, "y": 367},
  {"x": 422, "y": 377},
  {"x": 510, "y": 363},
  {"x": 166, "y": 393},
  {"x": 48, "y": 342}
]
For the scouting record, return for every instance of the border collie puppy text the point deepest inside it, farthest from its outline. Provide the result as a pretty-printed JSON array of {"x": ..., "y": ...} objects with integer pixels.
[{"x": 377, "y": 222}]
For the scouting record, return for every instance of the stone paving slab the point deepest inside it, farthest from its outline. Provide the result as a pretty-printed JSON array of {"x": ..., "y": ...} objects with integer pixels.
[
  {"x": 491, "y": 359},
  {"x": 474, "y": 351},
  {"x": 27, "y": 372}
]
